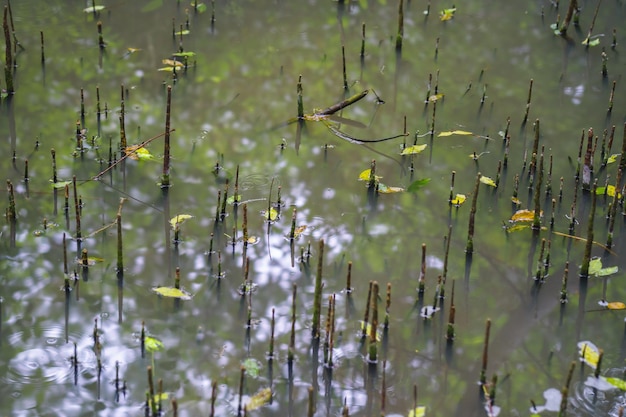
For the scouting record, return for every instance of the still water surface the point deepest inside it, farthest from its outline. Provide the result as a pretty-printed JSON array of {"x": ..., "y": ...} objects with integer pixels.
[{"x": 239, "y": 86}]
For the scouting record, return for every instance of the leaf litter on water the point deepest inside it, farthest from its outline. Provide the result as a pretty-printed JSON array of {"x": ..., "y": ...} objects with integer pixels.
[
  {"x": 524, "y": 216},
  {"x": 172, "y": 292},
  {"x": 384, "y": 189},
  {"x": 596, "y": 269},
  {"x": 365, "y": 175},
  {"x": 487, "y": 181},
  {"x": 616, "y": 305},
  {"x": 419, "y": 411},
  {"x": 454, "y": 132},
  {"x": 447, "y": 14},
  {"x": 271, "y": 215},
  {"x": 608, "y": 190},
  {"x": 94, "y": 9},
  {"x": 179, "y": 219},
  {"x": 589, "y": 353},
  {"x": 152, "y": 344},
  {"x": 415, "y": 149},
  {"x": 259, "y": 399},
  {"x": 458, "y": 200}
]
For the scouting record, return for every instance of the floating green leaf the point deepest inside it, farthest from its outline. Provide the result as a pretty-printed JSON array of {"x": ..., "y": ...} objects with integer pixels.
[
  {"x": 454, "y": 132},
  {"x": 182, "y": 32},
  {"x": 616, "y": 382},
  {"x": 611, "y": 159},
  {"x": 419, "y": 411},
  {"x": 176, "y": 221},
  {"x": 172, "y": 292},
  {"x": 593, "y": 42},
  {"x": 231, "y": 199},
  {"x": 200, "y": 7},
  {"x": 152, "y": 344},
  {"x": 595, "y": 268},
  {"x": 187, "y": 54},
  {"x": 415, "y": 149},
  {"x": 158, "y": 398},
  {"x": 166, "y": 69},
  {"x": 91, "y": 260},
  {"x": 61, "y": 184},
  {"x": 94, "y": 9},
  {"x": 517, "y": 227},
  {"x": 608, "y": 190},
  {"x": 488, "y": 181},
  {"x": 259, "y": 399},
  {"x": 417, "y": 184},
  {"x": 253, "y": 367}
]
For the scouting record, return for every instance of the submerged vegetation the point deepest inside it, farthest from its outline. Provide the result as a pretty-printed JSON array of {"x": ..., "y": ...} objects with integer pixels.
[{"x": 273, "y": 215}]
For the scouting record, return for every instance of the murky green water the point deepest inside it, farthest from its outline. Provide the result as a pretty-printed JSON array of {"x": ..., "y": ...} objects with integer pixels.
[{"x": 240, "y": 84}]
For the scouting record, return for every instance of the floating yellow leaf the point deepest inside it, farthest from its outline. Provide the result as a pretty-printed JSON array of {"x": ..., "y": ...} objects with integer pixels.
[
  {"x": 418, "y": 412},
  {"x": 172, "y": 63},
  {"x": 611, "y": 159},
  {"x": 435, "y": 97},
  {"x": 182, "y": 32},
  {"x": 158, "y": 398},
  {"x": 368, "y": 330},
  {"x": 516, "y": 201},
  {"x": 91, "y": 260},
  {"x": 143, "y": 154},
  {"x": 458, "y": 199},
  {"x": 259, "y": 399},
  {"x": 608, "y": 190},
  {"x": 365, "y": 175},
  {"x": 178, "y": 220},
  {"x": 298, "y": 231},
  {"x": 525, "y": 216},
  {"x": 454, "y": 132},
  {"x": 272, "y": 215},
  {"x": 589, "y": 353},
  {"x": 172, "y": 292},
  {"x": 166, "y": 69},
  {"x": 384, "y": 189},
  {"x": 517, "y": 227},
  {"x": 488, "y": 181},
  {"x": 447, "y": 14},
  {"x": 253, "y": 240},
  {"x": 133, "y": 50},
  {"x": 616, "y": 305},
  {"x": 411, "y": 150},
  {"x": 152, "y": 344}
]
